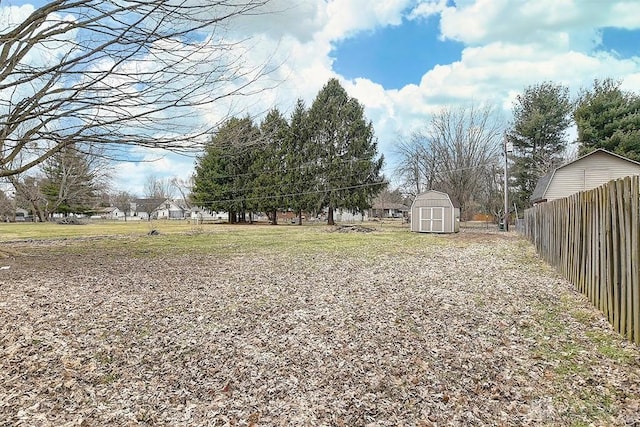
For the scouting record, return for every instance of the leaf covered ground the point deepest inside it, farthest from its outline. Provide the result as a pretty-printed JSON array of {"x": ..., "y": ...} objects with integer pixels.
[{"x": 468, "y": 329}]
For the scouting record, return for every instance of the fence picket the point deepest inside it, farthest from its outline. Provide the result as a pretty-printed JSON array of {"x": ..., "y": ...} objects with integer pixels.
[
  {"x": 593, "y": 239},
  {"x": 635, "y": 248}
]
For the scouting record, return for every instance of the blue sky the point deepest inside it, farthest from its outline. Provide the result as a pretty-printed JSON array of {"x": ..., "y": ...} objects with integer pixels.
[
  {"x": 623, "y": 42},
  {"x": 405, "y": 60},
  {"x": 397, "y": 55}
]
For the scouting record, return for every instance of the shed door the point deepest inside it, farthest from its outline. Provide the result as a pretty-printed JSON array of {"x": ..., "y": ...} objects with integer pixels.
[{"x": 432, "y": 219}]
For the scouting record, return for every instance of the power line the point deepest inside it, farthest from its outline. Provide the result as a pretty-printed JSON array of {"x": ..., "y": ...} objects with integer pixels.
[
  {"x": 302, "y": 193},
  {"x": 301, "y": 167}
]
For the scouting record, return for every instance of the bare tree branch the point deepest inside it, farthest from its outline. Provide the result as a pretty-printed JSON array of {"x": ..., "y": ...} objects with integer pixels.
[
  {"x": 119, "y": 72},
  {"x": 457, "y": 153}
]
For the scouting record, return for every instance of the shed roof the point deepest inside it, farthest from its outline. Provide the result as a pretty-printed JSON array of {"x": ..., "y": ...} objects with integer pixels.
[
  {"x": 453, "y": 200},
  {"x": 542, "y": 186}
]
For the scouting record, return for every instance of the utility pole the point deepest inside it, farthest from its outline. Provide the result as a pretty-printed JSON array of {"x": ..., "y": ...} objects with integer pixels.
[{"x": 505, "y": 221}]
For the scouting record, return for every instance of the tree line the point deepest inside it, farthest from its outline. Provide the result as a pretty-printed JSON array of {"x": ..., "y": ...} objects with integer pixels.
[
  {"x": 76, "y": 180},
  {"x": 100, "y": 94},
  {"x": 461, "y": 150},
  {"x": 319, "y": 159},
  {"x": 605, "y": 116}
]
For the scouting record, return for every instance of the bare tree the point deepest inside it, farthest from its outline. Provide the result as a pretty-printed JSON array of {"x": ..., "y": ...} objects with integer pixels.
[
  {"x": 28, "y": 190},
  {"x": 466, "y": 142},
  {"x": 417, "y": 166},
  {"x": 122, "y": 201},
  {"x": 457, "y": 152},
  {"x": 158, "y": 188},
  {"x": 7, "y": 207},
  {"x": 183, "y": 186},
  {"x": 117, "y": 72}
]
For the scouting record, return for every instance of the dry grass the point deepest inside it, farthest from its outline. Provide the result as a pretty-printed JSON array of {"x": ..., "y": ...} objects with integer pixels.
[{"x": 249, "y": 327}]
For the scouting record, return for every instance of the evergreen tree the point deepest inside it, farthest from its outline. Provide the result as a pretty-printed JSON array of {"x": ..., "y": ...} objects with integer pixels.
[
  {"x": 541, "y": 117},
  {"x": 222, "y": 179},
  {"x": 608, "y": 117},
  {"x": 72, "y": 181},
  {"x": 344, "y": 151},
  {"x": 299, "y": 180},
  {"x": 269, "y": 165}
]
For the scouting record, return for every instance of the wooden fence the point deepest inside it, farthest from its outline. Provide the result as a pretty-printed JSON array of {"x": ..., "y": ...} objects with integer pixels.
[{"x": 592, "y": 238}]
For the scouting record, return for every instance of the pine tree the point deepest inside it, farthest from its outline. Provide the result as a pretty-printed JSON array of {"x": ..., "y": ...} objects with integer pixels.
[
  {"x": 269, "y": 165},
  {"x": 344, "y": 150},
  {"x": 608, "y": 117},
  {"x": 299, "y": 180},
  {"x": 72, "y": 180},
  {"x": 541, "y": 116},
  {"x": 222, "y": 181}
]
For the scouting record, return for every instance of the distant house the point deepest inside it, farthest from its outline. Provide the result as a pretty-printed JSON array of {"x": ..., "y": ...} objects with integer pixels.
[
  {"x": 389, "y": 210},
  {"x": 22, "y": 215},
  {"x": 171, "y": 209},
  {"x": 158, "y": 208},
  {"x": 587, "y": 172},
  {"x": 204, "y": 215},
  {"x": 344, "y": 215},
  {"x": 142, "y": 209},
  {"x": 110, "y": 212}
]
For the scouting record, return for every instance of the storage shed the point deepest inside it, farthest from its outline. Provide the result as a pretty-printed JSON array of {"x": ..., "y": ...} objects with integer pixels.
[{"x": 435, "y": 212}]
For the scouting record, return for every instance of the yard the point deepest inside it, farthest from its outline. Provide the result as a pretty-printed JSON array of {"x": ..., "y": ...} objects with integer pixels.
[{"x": 286, "y": 325}]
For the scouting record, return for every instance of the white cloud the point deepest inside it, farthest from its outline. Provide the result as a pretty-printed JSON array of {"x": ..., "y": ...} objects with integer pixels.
[
  {"x": 131, "y": 176},
  {"x": 283, "y": 18},
  {"x": 347, "y": 17},
  {"x": 540, "y": 21},
  {"x": 428, "y": 8},
  {"x": 508, "y": 45}
]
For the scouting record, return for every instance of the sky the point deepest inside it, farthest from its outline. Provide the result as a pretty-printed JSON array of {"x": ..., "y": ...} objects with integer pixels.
[{"x": 405, "y": 60}]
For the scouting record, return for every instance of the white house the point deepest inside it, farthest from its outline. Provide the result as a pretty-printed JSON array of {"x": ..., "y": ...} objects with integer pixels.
[
  {"x": 157, "y": 208},
  {"x": 170, "y": 209},
  {"x": 587, "y": 172},
  {"x": 110, "y": 212},
  {"x": 203, "y": 215}
]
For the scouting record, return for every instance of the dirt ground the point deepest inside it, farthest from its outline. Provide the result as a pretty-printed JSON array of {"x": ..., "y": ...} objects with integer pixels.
[{"x": 474, "y": 332}]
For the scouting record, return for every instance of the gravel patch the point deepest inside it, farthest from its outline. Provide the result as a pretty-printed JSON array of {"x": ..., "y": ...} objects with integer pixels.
[{"x": 474, "y": 332}]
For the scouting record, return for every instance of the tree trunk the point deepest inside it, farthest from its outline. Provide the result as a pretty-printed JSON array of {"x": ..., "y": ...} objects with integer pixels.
[
  {"x": 300, "y": 217},
  {"x": 274, "y": 218},
  {"x": 37, "y": 211},
  {"x": 330, "y": 220}
]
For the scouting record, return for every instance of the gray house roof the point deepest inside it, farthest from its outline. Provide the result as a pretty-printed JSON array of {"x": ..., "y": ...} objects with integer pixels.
[
  {"x": 396, "y": 206},
  {"x": 541, "y": 187},
  {"x": 540, "y": 192}
]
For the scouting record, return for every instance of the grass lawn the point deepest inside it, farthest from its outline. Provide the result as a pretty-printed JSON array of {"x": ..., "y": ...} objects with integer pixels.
[
  {"x": 52, "y": 230},
  {"x": 222, "y": 239},
  {"x": 104, "y": 324}
]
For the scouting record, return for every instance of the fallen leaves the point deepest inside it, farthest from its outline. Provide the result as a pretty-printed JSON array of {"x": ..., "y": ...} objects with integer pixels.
[{"x": 465, "y": 334}]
